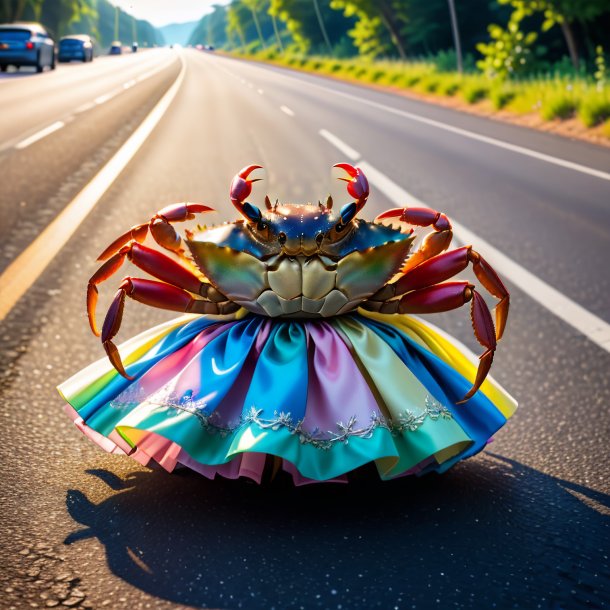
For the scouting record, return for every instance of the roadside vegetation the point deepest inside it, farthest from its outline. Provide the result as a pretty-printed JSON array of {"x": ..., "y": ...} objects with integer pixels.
[
  {"x": 543, "y": 58},
  {"x": 97, "y": 18},
  {"x": 553, "y": 96}
]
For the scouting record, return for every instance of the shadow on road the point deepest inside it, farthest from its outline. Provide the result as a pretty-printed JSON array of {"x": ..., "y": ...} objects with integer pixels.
[{"x": 491, "y": 533}]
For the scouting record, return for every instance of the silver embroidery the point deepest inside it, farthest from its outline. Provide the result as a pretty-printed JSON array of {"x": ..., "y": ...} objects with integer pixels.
[{"x": 407, "y": 421}]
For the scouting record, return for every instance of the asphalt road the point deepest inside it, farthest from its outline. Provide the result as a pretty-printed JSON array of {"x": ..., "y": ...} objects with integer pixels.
[{"x": 524, "y": 525}]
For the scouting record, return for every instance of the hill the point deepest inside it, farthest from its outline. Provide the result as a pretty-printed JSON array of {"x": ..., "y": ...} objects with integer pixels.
[{"x": 178, "y": 33}]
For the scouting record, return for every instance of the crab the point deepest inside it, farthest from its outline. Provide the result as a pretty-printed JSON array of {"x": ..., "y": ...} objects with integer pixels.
[{"x": 301, "y": 261}]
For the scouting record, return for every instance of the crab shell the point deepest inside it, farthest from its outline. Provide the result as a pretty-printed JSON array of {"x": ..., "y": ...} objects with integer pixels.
[{"x": 299, "y": 261}]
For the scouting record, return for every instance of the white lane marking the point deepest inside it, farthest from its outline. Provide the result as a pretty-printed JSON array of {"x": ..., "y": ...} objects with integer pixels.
[
  {"x": 286, "y": 110},
  {"x": 43, "y": 133},
  {"x": 594, "y": 328},
  {"x": 102, "y": 99},
  {"x": 347, "y": 150},
  {"x": 573, "y": 314},
  {"x": 89, "y": 105},
  {"x": 85, "y": 107},
  {"x": 27, "y": 267},
  {"x": 522, "y": 150}
]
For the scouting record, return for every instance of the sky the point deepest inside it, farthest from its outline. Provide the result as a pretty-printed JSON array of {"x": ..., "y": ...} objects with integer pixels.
[{"x": 163, "y": 12}]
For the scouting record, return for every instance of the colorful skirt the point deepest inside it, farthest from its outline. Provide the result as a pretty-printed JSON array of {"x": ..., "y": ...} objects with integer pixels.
[{"x": 220, "y": 395}]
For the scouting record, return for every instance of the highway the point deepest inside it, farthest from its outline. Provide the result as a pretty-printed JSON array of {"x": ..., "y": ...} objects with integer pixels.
[{"x": 522, "y": 525}]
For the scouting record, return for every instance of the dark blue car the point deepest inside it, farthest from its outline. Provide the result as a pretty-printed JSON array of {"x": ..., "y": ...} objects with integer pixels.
[
  {"x": 26, "y": 44},
  {"x": 75, "y": 47}
]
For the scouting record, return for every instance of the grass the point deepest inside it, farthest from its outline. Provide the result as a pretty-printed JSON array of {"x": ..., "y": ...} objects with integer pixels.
[
  {"x": 559, "y": 106},
  {"x": 595, "y": 109},
  {"x": 501, "y": 95},
  {"x": 557, "y": 97},
  {"x": 475, "y": 89}
]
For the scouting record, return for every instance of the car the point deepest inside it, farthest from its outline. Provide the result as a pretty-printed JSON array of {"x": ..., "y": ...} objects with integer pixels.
[
  {"x": 26, "y": 44},
  {"x": 77, "y": 46},
  {"x": 116, "y": 48}
]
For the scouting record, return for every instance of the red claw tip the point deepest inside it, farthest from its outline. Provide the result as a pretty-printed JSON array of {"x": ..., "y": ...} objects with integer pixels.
[
  {"x": 393, "y": 213},
  {"x": 357, "y": 184},
  {"x": 349, "y": 169},
  {"x": 246, "y": 171}
]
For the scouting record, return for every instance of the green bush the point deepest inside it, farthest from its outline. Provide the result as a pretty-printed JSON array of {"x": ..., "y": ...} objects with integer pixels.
[
  {"x": 334, "y": 66},
  {"x": 449, "y": 84},
  {"x": 558, "y": 106},
  {"x": 428, "y": 84},
  {"x": 501, "y": 96},
  {"x": 556, "y": 96},
  {"x": 594, "y": 109},
  {"x": 475, "y": 90}
]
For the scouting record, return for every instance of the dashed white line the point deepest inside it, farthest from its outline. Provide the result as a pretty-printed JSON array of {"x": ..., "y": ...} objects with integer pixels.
[
  {"x": 286, "y": 110},
  {"x": 85, "y": 107},
  {"x": 348, "y": 151},
  {"x": 102, "y": 99},
  {"x": 27, "y": 267},
  {"x": 522, "y": 150},
  {"x": 43, "y": 133},
  {"x": 129, "y": 83},
  {"x": 573, "y": 314}
]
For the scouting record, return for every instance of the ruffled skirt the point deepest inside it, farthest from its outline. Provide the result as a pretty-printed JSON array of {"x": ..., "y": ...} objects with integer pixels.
[{"x": 220, "y": 395}]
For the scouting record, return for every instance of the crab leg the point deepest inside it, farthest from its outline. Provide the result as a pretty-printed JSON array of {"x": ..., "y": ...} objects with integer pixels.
[
  {"x": 434, "y": 243},
  {"x": 444, "y": 266},
  {"x": 445, "y": 297},
  {"x": 160, "y": 228},
  {"x": 155, "y": 294},
  {"x": 153, "y": 262}
]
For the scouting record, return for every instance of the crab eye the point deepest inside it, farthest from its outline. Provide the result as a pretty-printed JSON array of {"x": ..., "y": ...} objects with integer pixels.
[
  {"x": 261, "y": 226},
  {"x": 281, "y": 238},
  {"x": 319, "y": 238},
  {"x": 339, "y": 227}
]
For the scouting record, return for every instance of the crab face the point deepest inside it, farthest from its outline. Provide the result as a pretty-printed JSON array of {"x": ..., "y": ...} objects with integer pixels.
[
  {"x": 296, "y": 262},
  {"x": 299, "y": 260},
  {"x": 300, "y": 230}
]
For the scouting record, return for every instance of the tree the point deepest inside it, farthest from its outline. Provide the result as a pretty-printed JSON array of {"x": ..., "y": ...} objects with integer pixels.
[
  {"x": 373, "y": 17},
  {"x": 13, "y": 10},
  {"x": 301, "y": 20},
  {"x": 562, "y": 12},
  {"x": 508, "y": 52},
  {"x": 241, "y": 21},
  {"x": 255, "y": 6},
  {"x": 59, "y": 14},
  {"x": 212, "y": 28}
]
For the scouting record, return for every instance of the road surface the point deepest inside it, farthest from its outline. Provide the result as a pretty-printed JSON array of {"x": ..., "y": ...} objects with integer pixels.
[{"x": 524, "y": 525}]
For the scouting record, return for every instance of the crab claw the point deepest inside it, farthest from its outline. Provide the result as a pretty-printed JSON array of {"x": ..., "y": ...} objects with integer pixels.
[
  {"x": 103, "y": 273},
  {"x": 357, "y": 184},
  {"x": 111, "y": 327},
  {"x": 485, "y": 333},
  {"x": 137, "y": 233},
  {"x": 241, "y": 187},
  {"x": 182, "y": 211}
]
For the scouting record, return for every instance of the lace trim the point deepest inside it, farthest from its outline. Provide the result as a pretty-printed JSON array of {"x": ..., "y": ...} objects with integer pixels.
[{"x": 407, "y": 421}]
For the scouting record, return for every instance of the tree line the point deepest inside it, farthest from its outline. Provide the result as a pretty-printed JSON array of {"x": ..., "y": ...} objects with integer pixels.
[
  {"x": 93, "y": 17},
  {"x": 514, "y": 36}
]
